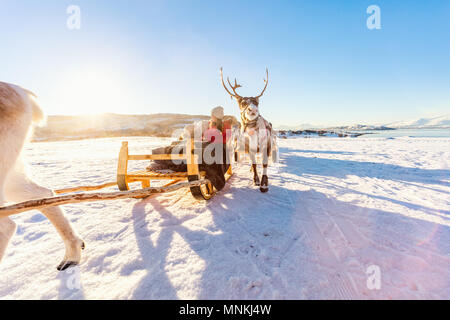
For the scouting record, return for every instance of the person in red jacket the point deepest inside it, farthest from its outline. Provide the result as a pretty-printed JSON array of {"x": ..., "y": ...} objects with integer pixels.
[
  {"x": 218, "y": 130},
  {"x": 215, "y": 131}
]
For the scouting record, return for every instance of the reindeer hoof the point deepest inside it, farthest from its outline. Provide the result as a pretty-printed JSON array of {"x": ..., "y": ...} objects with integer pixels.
[
  {"x": 264, "y": 184},
  {"x": 256, "y": 181},
  {"x": 66, "y": 264}
]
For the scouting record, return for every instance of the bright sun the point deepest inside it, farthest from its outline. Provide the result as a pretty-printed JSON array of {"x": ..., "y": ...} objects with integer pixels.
[{"x": 90, "y": 93}]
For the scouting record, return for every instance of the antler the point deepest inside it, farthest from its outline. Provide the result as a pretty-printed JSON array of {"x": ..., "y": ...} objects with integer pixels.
[
  {"x": 267, "y": 82},
  {"x": 236, "y": 86}
]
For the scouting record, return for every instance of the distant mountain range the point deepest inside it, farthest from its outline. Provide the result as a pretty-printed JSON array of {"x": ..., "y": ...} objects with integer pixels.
[
  {"x": 114, "y": 125},
  {"x": 164, "y": 124},
  {"x": 442, "y": 122},
  {"x": 426, "y": 123}
]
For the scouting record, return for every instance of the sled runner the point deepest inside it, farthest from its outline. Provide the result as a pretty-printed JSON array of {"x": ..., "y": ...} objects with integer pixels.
[{"x": 200, "y": 187}]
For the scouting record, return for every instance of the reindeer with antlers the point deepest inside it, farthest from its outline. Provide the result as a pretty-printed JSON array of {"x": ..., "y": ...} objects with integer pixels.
[{"x": 256, "y": 132}]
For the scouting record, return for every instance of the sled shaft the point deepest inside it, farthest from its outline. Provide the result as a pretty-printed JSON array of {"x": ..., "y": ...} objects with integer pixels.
[{"x": 92, "y": 197}]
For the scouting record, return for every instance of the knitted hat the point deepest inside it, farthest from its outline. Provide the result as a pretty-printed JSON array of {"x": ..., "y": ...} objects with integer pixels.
[{"x": 217, "y": 112}]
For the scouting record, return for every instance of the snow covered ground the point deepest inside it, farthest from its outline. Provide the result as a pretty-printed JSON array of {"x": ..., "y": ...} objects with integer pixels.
[{"x": 336, "y": 208}]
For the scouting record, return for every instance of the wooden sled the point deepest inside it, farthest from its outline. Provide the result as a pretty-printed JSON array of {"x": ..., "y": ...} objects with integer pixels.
[{"x": 124, "y": 178}]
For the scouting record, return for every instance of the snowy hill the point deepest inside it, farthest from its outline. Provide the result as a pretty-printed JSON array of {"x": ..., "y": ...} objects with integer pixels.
[
  {"x": 309, "y": 133},
  {"x": 114, "y": 125},
  {"x": 336, "y": 209},
  {"x": 423, "y": 123},
  {"x": 363, "y": 127},
  {"x": 442, "y": 122}
]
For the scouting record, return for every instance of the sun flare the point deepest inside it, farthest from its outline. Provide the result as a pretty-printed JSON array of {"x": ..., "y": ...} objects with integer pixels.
[{"x": 90, "y": 93}]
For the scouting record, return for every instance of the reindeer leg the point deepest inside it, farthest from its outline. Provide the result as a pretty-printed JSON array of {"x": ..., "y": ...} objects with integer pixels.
[
  {"x": 72, "y": 242},
  {"x": 21, "y": 188},
  {"x": 7, "y": 229},
  {"x": 265, "y": 180},
  {"x": 254, "y": 169},
  {"x": 256, "y": 179},
  {"x": 7, "y": 226}
]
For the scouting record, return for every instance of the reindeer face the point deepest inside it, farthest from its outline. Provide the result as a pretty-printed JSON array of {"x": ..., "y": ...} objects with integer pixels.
[{"x": 249, "y": 108}]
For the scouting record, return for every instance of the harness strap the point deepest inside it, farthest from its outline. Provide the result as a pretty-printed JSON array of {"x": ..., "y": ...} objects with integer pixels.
[{"x": 248, "y": 123}]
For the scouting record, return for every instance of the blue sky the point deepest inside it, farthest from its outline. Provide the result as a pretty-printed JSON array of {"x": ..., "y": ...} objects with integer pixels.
[{"x": 326, "y": 66}]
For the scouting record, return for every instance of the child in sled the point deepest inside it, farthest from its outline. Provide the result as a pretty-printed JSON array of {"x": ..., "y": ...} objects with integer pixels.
[{"x": 215, "y": 131}]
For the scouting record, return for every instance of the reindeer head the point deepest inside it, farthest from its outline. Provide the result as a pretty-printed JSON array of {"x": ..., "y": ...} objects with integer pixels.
[{"x": 249, "y": 106}]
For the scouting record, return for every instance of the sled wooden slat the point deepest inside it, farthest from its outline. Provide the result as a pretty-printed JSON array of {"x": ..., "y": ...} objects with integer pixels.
[
  {"x": 157, "y": 157},
  {"x": 138, "y": 175}
]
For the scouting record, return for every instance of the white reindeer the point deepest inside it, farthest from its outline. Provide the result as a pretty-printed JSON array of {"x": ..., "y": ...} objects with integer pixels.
[
  {"x": 18, "y": 111},
  {"x": 257, "y": 135}
]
